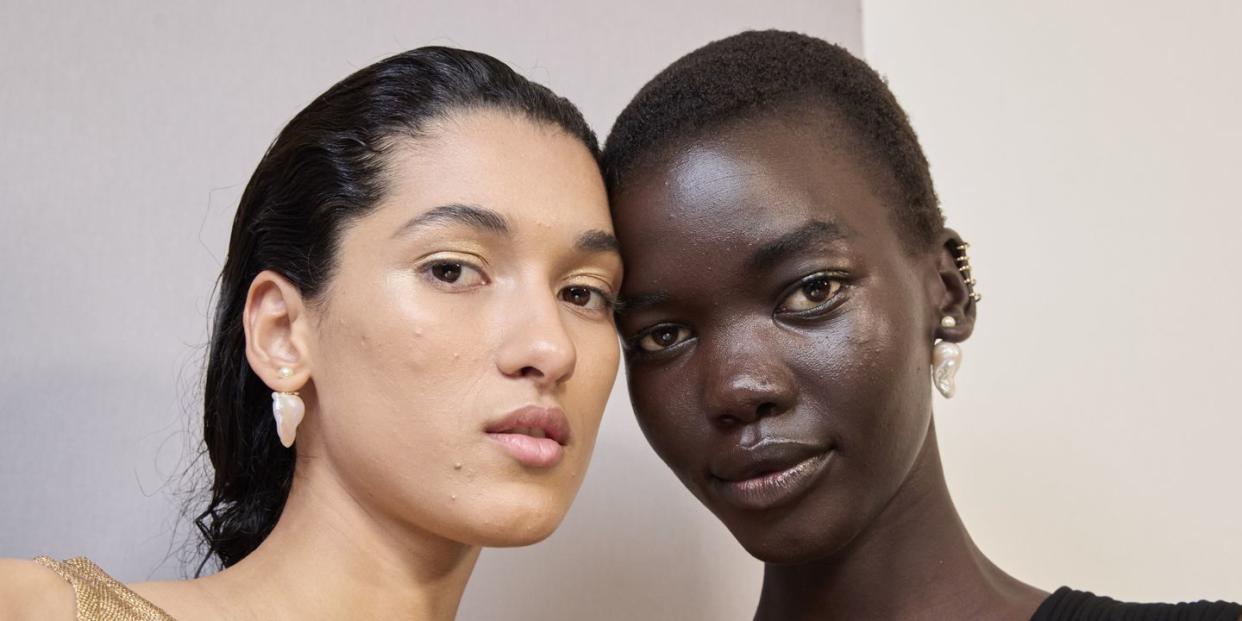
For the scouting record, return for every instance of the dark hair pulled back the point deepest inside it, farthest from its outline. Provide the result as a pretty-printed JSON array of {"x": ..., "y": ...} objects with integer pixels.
[{"x": 324, "y": 169}]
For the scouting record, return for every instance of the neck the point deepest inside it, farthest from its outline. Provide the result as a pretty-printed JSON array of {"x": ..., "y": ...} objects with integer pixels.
[
  {"x": 915, "y": 561},
  {"x": 329, "y": 557}
]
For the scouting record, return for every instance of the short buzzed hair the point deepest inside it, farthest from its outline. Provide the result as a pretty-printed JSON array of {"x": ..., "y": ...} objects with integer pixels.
[{"x": 772, "y": 72}]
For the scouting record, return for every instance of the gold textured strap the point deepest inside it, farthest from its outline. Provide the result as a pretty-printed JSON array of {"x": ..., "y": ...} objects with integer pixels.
[{"x": 100, "y": 597}]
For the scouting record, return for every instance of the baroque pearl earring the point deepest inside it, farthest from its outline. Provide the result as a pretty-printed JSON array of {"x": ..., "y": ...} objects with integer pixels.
[
  {"x": 288, "y": 410},
  {"x": 946, "y": 360}
]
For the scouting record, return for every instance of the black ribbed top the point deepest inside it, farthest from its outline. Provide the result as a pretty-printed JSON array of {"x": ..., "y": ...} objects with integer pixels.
[{"x": 1070, "y": 605}]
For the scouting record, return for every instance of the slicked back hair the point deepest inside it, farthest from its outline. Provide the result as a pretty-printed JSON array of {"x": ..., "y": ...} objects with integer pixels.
[{"x": 325, "y": 170}]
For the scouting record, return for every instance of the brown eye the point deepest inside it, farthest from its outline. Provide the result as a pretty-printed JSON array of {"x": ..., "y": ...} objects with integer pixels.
[
  {"x": 812, "y": 292},
  {"x": 589, "y": 298},
  {"x": 662, "y": 337},
  {"x": 448, "y": 272},
  {"x": 453, "y": 275},
  {"x": 578, "y": 296}
]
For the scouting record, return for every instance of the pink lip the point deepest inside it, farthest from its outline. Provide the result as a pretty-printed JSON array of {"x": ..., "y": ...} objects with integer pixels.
[{"x": 519, "y": 433}]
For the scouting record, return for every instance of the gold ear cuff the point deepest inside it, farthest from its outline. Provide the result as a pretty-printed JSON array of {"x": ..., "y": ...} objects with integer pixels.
[{"x": 963, "y": 265}]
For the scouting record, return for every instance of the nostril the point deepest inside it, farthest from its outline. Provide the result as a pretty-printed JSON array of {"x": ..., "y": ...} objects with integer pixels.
[
  {"x": 531, "y": 372},
  {"x": 765, "y": 410}
]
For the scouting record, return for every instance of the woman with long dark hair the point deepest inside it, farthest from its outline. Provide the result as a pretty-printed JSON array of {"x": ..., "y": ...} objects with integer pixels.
[{"x": 412, "y": 348}]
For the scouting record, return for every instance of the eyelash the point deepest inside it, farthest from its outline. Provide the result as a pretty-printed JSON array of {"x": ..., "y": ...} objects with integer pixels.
[
  {"x": 428, "y": 271},
  {"x": 607, "y": 301},
  {"x": 634, "y": 343},
  {"x": 836, "y": 283}
]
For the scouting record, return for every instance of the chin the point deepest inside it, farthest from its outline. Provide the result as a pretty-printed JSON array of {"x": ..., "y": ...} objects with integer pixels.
[
  {"x": 791, "y": 539},
  {"x": 514, "y": 524},
  {"x": 520, "y": 532},
  {"x": 779, "y": 553}
]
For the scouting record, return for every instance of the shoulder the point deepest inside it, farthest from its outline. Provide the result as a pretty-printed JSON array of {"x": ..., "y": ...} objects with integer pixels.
[
  {"x": 1067, "y": 604},
  {"x": 29, "y": 590}
]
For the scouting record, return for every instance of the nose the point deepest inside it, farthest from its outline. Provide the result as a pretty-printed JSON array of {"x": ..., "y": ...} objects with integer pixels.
[
  {"x": 746, "y": 381},
  {"x": 536, "y": 344}
]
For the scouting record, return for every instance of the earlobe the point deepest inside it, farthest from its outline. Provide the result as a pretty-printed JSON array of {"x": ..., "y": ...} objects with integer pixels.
[{"x": 276, "y": 347}]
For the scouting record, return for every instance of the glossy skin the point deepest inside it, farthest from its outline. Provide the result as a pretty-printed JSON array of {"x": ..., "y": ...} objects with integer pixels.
[
  {"x": 778, "y": 337},
  {"x": 437, "y": 325},
  {"x": 480, "y": 284}
]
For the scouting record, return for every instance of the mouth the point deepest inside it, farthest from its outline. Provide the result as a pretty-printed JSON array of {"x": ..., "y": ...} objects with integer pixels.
[
  {"x": 768, "y": 474},
  {"x": 535, "y": 436}
]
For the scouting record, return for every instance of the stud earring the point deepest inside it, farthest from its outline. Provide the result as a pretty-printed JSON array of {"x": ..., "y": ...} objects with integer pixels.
[
  {"x": 948, "y": 322},
  {"x": 946, "y": 360},
  {"x": 288, "y": 410}
]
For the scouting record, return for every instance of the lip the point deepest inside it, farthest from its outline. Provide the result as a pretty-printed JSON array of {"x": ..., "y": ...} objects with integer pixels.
[
  {"x": 535, "y": 436},
  {"x": 767, "y": 474}
]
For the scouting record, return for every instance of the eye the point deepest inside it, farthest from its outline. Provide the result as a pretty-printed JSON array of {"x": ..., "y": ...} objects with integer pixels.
[
  {"x": 663, "y": 337},
  {"x": 454, "y": 274},
  {"x": 589, "y": 298},
  {"x": 811, "y": 293}
]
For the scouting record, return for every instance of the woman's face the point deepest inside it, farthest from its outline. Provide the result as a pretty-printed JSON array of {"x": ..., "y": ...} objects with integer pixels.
[
  {"x": 777, "y": 333},
  {"x": 465, "y": 347}
]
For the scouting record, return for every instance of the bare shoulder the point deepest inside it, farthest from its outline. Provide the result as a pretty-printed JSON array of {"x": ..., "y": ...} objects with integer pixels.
[
  {"x": 30, "y": 591},
  {"x": 181, "y": 599}
]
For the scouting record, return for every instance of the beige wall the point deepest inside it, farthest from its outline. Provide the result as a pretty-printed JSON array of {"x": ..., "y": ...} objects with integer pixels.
[
  {"x": 127, "y": 131},
  {"x": 1084, "y": 148},
  {"x": 1090, "y": 151}
]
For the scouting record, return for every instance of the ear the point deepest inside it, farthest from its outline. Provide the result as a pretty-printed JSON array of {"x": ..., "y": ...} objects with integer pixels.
[
  {"x": 955, "y": 294},
  {"x": 277, "y": 325}
]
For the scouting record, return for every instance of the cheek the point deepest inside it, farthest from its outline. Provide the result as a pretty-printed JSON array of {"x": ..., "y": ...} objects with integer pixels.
[
  {"x": 666, "y": 409},
  {"x": 396, "y": 356},
  {"x": 595, "y": 372},
  {"x": 398, "y": 379},
  {"x": 875, "y": 385}
]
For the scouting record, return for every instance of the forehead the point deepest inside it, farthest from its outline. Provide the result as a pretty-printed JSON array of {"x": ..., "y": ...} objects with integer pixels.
[
  {"x": 529, "y": 171},
  {"x": 719, "y": 195}
]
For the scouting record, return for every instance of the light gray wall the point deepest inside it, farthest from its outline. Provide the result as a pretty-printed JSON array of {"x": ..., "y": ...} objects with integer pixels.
[
  {"x": 1089, "y": 151},
  {"x": 127, "y": 132}
]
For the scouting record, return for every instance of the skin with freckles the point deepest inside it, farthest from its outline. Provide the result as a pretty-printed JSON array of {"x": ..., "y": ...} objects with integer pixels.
[
  {"x": 454, "y": 371},
  {"x": 778, "y": 336}
]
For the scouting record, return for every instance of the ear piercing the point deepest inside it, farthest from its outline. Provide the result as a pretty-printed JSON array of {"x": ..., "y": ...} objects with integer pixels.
[
  {"x": 963, "y": 266},
  {"x": 946, "y": 356},
  {"x": 946, "y": 360},
  {"x": 288, "y": 410}
]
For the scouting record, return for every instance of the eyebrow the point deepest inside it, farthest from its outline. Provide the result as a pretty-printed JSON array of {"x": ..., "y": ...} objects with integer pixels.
[
  {"x": 629, "y": 303},
  {"x": 596, "y": 240},
  {"x": 795, "y": 241},
  {"x": 473, "y": 216}
]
